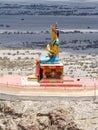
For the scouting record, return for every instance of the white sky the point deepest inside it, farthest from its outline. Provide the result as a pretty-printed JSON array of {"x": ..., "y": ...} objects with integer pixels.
[{"x": 49, "y": 0}]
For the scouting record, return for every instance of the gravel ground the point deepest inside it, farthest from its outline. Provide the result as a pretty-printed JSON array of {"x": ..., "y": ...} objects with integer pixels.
[
  {"x": 22, "y": 61},
  {"x": 49, "y": 115}
]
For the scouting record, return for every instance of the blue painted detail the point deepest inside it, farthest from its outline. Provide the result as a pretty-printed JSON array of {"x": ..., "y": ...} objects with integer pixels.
[
  {"x": 47, "y": 59},
  {"x": 57, "y": 43}
]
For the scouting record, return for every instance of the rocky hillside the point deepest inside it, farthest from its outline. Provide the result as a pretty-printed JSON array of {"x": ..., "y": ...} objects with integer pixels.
[{"x": 48, "y": 115}]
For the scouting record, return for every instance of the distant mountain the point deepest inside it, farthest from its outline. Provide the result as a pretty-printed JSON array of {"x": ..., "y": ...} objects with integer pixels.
[{"x": 48, "y": 7}]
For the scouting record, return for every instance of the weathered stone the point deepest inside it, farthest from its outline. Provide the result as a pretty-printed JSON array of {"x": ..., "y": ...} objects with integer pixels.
[
  {"x": 72, "y": 126},
  {"x": 18, "y": 108},
  {"x": 2, "y": 126},
  {"x": 27, "y": 127},
  {"x": 48, "y": 115},
  {"x": 43, "y": 122},
  {"x": 11, "y": 125},
  {"x": 58, "y": 117}
]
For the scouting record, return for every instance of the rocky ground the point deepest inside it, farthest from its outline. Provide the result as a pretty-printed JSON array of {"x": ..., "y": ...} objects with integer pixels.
[{"x": 49, "y": 115}]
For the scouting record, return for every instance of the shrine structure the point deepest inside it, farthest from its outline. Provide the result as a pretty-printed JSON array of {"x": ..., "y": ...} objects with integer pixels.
[{"x": 49, "y": 69}]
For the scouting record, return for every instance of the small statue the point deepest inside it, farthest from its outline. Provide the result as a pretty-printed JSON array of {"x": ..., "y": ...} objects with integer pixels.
[{"x": 53, "y": 49}]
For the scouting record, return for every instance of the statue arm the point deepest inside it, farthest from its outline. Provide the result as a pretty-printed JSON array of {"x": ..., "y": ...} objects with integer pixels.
[
  {"x": 53, "y": 50},
  {"x": 53, "y": 29}
]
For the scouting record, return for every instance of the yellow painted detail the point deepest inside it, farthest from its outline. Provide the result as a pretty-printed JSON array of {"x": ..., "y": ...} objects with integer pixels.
[{"x": 54, "y": 49}]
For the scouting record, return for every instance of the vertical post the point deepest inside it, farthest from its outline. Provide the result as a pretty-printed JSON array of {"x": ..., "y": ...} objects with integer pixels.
[
  {"x": 94, "y": 88},
  {"x": 37, "y": 72},
  {"x": 7, "y": 84}
]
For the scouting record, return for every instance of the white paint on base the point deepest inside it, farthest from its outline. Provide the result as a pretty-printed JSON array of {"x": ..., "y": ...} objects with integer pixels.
[{"x": 25, "y": 82}]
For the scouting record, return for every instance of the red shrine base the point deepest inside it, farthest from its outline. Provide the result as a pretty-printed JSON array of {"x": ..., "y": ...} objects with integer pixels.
[
  {"x": 51, "y": 71},
  {"x": 59, "y": 83},
  {"x": 51, "y": 75}
]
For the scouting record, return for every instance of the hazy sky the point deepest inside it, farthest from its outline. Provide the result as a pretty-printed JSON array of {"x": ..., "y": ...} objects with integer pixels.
[{"x": 48, "y": 0}]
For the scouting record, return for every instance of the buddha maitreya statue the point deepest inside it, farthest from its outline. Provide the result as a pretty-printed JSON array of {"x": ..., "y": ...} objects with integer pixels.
[{"x": 52, "y": 48}]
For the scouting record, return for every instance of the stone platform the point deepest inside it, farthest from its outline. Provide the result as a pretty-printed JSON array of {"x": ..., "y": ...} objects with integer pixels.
[
  {"x": 51, "y": 75},
  {"x": 68, "y": 82}
]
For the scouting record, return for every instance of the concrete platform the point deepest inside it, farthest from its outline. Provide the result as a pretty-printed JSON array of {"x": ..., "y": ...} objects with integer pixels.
[
  {"x": 16, "y": 87},
  {"x": 17, "y": 80}
]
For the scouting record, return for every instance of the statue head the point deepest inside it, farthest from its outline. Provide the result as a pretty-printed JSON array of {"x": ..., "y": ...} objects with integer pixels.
[{"x": 56, "y": 25}]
